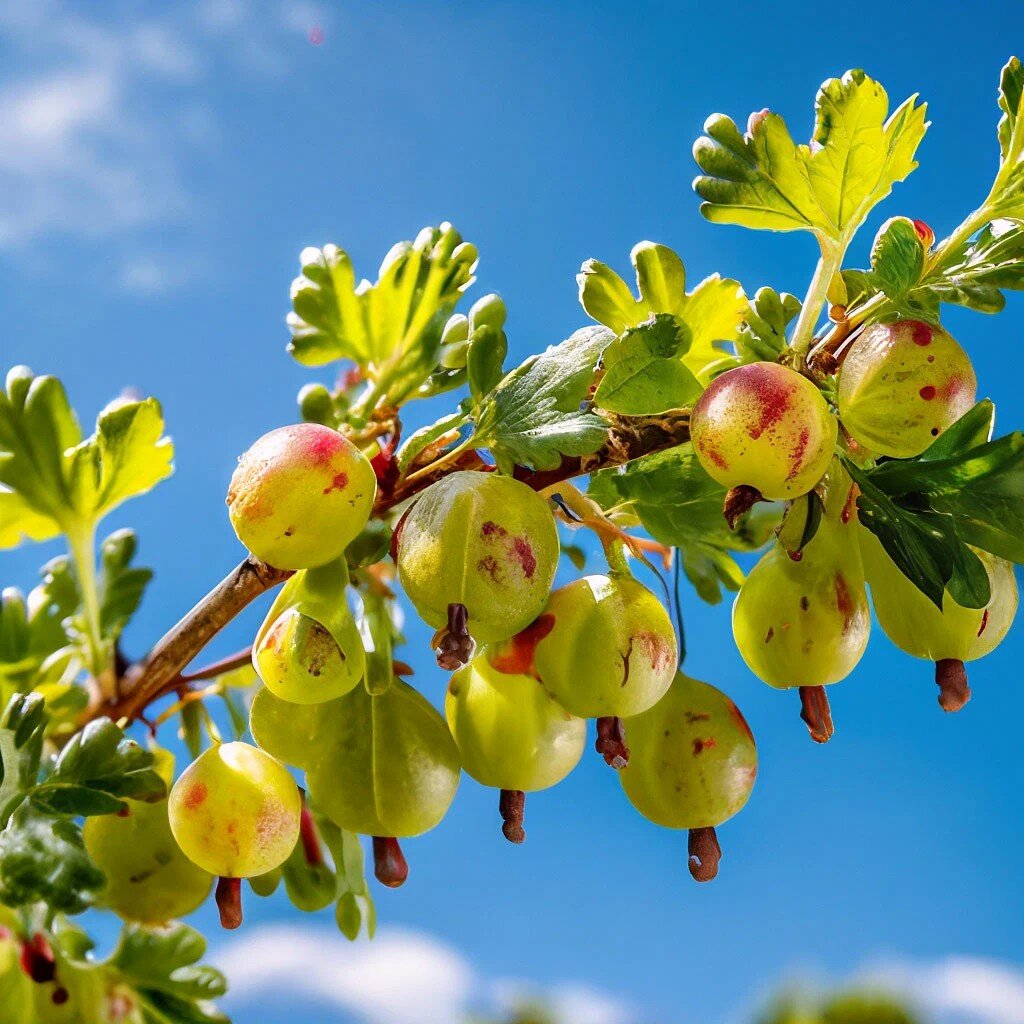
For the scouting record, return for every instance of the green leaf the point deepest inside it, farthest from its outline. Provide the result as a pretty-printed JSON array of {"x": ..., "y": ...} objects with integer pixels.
[
  {"x": 310, "y": 886},
  {"x": 416, "y": 443},
  {"x": 22, "y": 726},
  {"x": 974, "y": 428},
  {"x": 642, "y": 374},
  {"x": 681, "y": 506},
  {"x": 162, "y": 965},
  {"x": 981, "y": 490},
  {"x": 121, "y": 585},
  {"x": 58, "y": 480},
  {"x": 390, "y": 328},
  {"x": 762, "y": 335},
  {"x": 763, "y": 179},
  {"x": 533, "y": 417},
  {"x": 96, "y": 769},
  {"x": 35, "y": 648},
  {"x": 976, "y": 274},
  {"x": 712, "y": 312},
  {"x": 355, "y": 908},
  {"x": 923, "y": 543},
  {"x": 897, "y": 257},
  {"x": 43, "y": 860}
]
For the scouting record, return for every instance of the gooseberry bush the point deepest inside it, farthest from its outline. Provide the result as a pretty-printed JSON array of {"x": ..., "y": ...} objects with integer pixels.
[{"x": 840, "y": 437}]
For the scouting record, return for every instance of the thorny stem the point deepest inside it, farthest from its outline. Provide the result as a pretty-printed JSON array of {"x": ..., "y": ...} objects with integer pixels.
[
  {"x": 159, "y": 672},
  {"x": 705, "y": 853},
  {"x": 389, "y": 864},
  {"x": 816, "y": 713},
  {"x": 512, "y": 808}
]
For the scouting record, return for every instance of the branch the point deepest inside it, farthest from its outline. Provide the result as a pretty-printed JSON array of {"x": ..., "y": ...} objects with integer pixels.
[{"x": 161, "y": 671}]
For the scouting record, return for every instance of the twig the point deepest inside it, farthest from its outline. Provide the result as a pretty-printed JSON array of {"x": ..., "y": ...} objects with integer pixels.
[{"x": 160, "y": 672}]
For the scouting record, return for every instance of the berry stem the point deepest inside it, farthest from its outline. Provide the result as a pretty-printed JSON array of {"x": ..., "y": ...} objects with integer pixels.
[
  {"x": 389, "y": 864},
  {"x": 705, "y": 853},
  {"x": 512, "y": 807},
  {"x": 951, "y": 678},
  {"x": 309, "y": 837},
  {"x": 229, "y": 902},
  {"x": 816, "y": 713},
  {"x": 611, "y": 742}
]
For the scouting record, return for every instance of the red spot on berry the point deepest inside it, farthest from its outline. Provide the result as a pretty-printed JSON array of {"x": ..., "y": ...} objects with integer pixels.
[
  {"x": 323, "y": 444},
  {"x": 984, "y": 622},
  {"x": 920, "y": 333},
  {"x": 60, "y": 996},
  {"x": 772, "y": 397},
  {"x": 522, "y": 552},
  {"x": 489, "y": 565},
  {"x": 935, "y": 431},
  {"x": 715, "y": 456},
  {"x": 339, "y": 483},
  {"x": 741, "y": 721},
  {"x": 659, "y": 652},
  {"x": 699, "y": 745},
  {"x": 196, "y": 796},
  {"x": 796, "y": 458},
  {"x": 515, "y": 657},
  {"x": 844, "y": 601},
  {"x": 768, "y": 636},
  {"x": 927, "y": 392},
  {"x": 492, "y": 529}
]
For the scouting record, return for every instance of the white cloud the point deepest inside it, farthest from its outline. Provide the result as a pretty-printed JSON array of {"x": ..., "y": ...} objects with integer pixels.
[
  {"x": 958, "y": 988},
  {"x": 401, "y": 977},
  {"x": 99, "y": 116}
]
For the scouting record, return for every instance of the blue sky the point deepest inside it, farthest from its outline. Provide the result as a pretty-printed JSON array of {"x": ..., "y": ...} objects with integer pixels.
[{"x": 161, "y": 167}]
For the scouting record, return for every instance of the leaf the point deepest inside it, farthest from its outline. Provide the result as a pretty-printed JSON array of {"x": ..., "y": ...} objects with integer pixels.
[
  {"x": 974, "y": 428},
  {"x": 162, "y": 965},
  {"x": 1007, "y": 199},
  {"x": 763, "y": 179},
  {"x": 416, "y": 443},
  {"x": 923, "y": 543},
  {"x": 51, "y": 479},
  {"x": 897, "y": 257},
  {"x": 310, "y": 886},
  {"x": 681, "y": 506},
  {"x": 762, "y": 335},
  {"x": 981, "y": 490},
  {"x": 43, "y": 860},
  {"x": 712, "y": 312},
  {"x": 355, "y": 907},
  {"x": 533, "y": 417},
  {"x": 642, "y": 375},
  {"x": 391, "y": 328},
  {"x": 98, "y": 767},
  {"x": 33, "y": 638},
  {"x": 22, "y": 726},
  {"x": 976, "y": 274}
]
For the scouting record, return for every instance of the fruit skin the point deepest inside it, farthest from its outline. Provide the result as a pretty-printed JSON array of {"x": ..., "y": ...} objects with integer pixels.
[
  {"x": 901, "y": 385},
  {"x": 384, "y": 765},
  {"x": 308, "y": 649},
  {"x": 149, "y": 879},
  {"x": 765, "y": 426},
  {"x": 692, "y": 758},
  {"x": 806, "y": 622},
  {"x": 510, "y": 732},
  {"x": 917, "y": 627},
  {"x": 482, "y": 540},
  {"x": 610, "y": 648},
  {"x": 299, "y": 495},
  {"x": 235, "y": 811}
]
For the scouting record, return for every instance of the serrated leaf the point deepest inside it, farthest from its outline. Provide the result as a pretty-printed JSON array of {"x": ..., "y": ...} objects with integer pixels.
[
  {"x": 897, "y": 257},
  {"x": 976, "y": 274},
  {"x": 762, "y": 335},
  {"x": 22, "y": 728},
  {"x": 43, "y": 860},
  {"x": 681, "y": 506},
  {"x": 355, "y": 908},
  {"x": 95, "y": 770},
  {"x": 162, "y": 966},
  {"x": 417, "y": 442},
  {"x": 34, "y": 643},
  {"x": 58, "y": 478},
  {"x": 763, "y": 179},
  {"x": 923, "y": 543},
  {"x": 533, "y": 417},
  {"x": 390, "y": 328},
  {"x": 712, "y": 312},
  {"x": 642, "y": 374}
]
